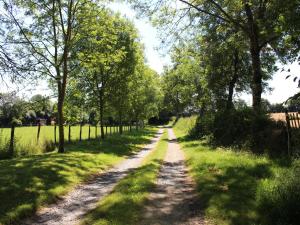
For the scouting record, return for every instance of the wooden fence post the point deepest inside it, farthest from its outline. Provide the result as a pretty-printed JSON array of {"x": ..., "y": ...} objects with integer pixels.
[
  {"x": 298, "y": 120},
  {"x": 89, "y": 132},
  {"x": 96, "y": 131},
  {"x": 12, "y": 141},
  {"x": 288, "y": 128},
  {"x": 69, "y": 137},
  {"x": 39, "y": 131},
  {"x": 55, "y": 133},
  {"x": 80, "y": 132}
]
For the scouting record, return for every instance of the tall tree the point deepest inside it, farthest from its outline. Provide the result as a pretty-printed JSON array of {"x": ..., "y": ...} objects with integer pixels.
[
  {"x": 107, "y": 58},
  {"x": 263, "y": 23},
  {"x": 45, "y": 30}
]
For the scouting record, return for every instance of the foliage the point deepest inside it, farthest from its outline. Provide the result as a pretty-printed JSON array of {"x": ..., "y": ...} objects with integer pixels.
[
  {"x": 263, "y": 27},
  {"x": 236, "y": 127},
  {"x": 11, "y": 107}
]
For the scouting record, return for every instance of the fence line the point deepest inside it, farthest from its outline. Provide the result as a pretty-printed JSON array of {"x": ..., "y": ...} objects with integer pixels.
[
  {"x": 109, "y": 130},
  {"x": 292, "y": 124}
]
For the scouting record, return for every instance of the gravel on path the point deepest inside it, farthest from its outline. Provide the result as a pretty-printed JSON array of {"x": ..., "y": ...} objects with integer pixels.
[
  {"x": 174, "y": 200},
  {"x": 85, "y": 197}
]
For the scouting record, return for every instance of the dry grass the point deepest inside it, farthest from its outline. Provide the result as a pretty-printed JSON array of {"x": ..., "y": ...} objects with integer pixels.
[{"x": 295, "y": 123}]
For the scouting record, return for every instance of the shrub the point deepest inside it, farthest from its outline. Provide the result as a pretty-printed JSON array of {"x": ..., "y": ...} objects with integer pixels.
[
  {"x": 279, "y": 200},
  {"x": 243, "y": 128},
  {"x": 204, "y": 126}
]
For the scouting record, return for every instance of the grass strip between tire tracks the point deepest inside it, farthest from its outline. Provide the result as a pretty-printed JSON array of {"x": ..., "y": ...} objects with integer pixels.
[{"x": 125, "y": 204}]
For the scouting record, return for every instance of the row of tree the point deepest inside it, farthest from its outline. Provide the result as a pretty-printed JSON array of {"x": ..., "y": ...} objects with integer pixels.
[
  {"x": 91, "y": 57},
  {"x": 224, "y": 47}
]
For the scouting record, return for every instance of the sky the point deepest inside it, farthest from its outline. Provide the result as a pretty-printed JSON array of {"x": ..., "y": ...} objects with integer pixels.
[{"x": 282, "y": 88}]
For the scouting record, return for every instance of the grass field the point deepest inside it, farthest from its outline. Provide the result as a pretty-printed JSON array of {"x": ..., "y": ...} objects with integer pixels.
[
  {"x": 125, "y": 205},
  {"x": 239, "y": 187},
  {"x": 26, "y": 137},
  {"x": 27, "y": 183}
]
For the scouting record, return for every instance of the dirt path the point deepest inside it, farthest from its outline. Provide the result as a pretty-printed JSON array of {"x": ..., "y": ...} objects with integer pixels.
[
  {"x": 174, "y": 201},
  {"x": 86, "y": 196}
]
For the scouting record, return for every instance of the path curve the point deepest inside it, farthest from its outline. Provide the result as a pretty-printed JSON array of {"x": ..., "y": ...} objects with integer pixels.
[
  {"x": 85, "y": 197},
  {"x": 174, "y": 200}
]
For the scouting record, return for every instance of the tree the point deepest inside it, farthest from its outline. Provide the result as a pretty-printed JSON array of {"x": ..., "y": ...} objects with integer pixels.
[
  {"x": 41, "y": 105},
  {"x": 262, "y": 23},
  {"x": 11, "y": 108},
  {"x": 107, "y": 58},
  {"x": 45, "y": 32},
  {"x": 146, "y": 94}
]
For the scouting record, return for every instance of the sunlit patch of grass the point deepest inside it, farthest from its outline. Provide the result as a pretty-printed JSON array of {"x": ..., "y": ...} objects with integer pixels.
[
  {"x": 31, "y": 182},
  {"x": 231, "y": 185},
  {"x": 124, "y": 206},
  {"x": 26, "y": 137}
]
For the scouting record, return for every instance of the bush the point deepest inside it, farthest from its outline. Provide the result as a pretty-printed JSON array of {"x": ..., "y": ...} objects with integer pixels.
[
  {"x": 243, "y": 128},
  {"x": 204, "y": 126},
  {"x": 279, "y": 200}
]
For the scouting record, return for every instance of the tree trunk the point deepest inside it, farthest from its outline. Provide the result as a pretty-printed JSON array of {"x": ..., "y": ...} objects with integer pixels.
[
  {"x": 233, "y": 81},
  {"x": 120, "y": 123},
  {"x": 253, "y": 33},
  {"x": 61, "y": 135},
  {"x": 257, "y": 78}
]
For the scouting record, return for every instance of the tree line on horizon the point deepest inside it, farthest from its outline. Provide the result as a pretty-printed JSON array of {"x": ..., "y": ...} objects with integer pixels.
[{"x": 92, "y": 58}]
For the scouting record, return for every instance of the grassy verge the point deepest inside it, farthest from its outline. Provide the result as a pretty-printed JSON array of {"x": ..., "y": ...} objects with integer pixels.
[
  {"x": 239, "y": 187},
  {"x": 124, "y": 206},
  {"x": 30, "y": 182}
]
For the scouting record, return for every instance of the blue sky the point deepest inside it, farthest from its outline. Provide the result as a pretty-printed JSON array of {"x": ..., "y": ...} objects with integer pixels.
[{"x": 283, "y": 88}]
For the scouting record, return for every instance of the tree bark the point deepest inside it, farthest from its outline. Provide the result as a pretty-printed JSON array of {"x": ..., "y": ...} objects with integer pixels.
[
  {"x": 257, "y": 77},
  {"x": 233, "y": 81},
  {"x": 256, "y": 60},
  {"x": 60, "y": 118}
]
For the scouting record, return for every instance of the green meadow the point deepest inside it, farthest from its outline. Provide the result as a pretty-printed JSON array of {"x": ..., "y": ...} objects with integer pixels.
[{"x": 26, "y": 137}]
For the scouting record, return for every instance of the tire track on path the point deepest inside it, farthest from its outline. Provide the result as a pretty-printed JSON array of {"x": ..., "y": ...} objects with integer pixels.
[{"x": 174, "y": 200}]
